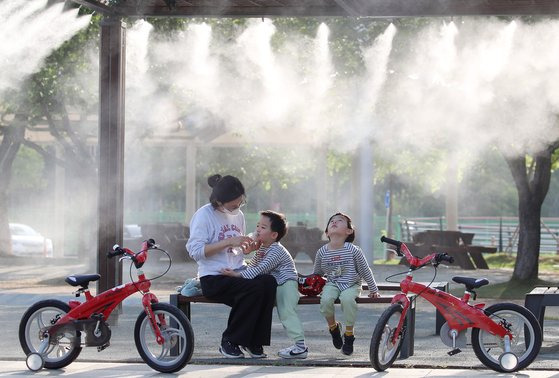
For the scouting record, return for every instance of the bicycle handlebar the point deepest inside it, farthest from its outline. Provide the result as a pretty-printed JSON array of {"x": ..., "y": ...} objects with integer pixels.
[
  {"x": 138, "y": 258},
  {"x": 117, "y": 251},
  {"x": 403, "y": 250},
  {"x": 444, "y": 257},
  {"x": 384, "y": 239},
  {"x": 397, "y": 243}
]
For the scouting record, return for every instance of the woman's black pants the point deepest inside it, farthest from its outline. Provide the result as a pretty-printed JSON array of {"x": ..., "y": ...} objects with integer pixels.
[{"x": 251, "y": 302}]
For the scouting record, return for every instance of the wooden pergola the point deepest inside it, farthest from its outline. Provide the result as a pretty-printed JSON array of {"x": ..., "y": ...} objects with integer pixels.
[
  {"x": 318, "y": 8},
  {"x": 112, "y": 69}
]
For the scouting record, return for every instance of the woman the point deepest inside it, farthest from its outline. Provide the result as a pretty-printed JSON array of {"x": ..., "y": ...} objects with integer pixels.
[{"x": 215, "y": 229}]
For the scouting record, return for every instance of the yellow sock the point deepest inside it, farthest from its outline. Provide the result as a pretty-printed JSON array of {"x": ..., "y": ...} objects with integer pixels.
[
  {"x": 333, "y": 327},
  {"x": 349, "y": 332}
]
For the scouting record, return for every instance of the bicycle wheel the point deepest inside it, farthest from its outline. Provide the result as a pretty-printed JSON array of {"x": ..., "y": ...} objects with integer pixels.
[
  {"x": 526, "y": 337},
  {"x": 61, "y": 351},
  {"x": 383, "y": 351},
  {"x": 178, "y": 346}
]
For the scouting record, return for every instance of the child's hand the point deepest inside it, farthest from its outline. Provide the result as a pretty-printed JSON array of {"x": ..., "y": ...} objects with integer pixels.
[
  {"x": 230, "y": 272},
  {"x": 376, "y": 294}
]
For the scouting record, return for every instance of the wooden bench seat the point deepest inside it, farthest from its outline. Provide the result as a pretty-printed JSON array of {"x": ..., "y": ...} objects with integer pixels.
[
  {"x": 183, "y": 303},
  {"x": 540, "y": 297}
]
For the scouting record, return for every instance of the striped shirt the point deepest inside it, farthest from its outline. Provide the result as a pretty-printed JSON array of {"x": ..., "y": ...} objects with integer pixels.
[
  {"x": 344, "y": 267},
  {"x": 274, "y": 260}
]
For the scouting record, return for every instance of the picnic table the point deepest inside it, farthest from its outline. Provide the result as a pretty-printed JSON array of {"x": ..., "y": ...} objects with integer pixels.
[
  {"x": 457, "y": 244},
  {"x": 303, "y": 239}
]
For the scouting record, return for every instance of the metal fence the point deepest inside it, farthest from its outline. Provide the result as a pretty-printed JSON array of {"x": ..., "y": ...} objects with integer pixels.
[{"x": 500, "y": 232}]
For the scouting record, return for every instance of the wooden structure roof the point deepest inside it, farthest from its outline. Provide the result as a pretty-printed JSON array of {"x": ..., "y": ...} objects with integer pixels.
[{"x": 317, "y": 8}]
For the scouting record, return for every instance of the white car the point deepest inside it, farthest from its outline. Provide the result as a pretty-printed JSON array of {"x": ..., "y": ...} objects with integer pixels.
[{"x": 28, "y": 242}]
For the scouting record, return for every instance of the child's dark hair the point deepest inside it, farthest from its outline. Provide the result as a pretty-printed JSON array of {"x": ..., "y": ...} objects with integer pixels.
[
  {"x": 278, "y": 222},
  {"x": 351, "y": 237}
]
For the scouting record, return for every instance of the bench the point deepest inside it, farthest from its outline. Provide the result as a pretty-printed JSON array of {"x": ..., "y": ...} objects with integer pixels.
[
  {"x": 540, "y": 297},
  {"x": 183, "y": 303}
]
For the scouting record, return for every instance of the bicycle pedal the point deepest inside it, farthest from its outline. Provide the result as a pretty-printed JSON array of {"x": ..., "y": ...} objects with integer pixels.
[
  {"x": 104, "y": 346},
  {"x": 454, "y": 351}
]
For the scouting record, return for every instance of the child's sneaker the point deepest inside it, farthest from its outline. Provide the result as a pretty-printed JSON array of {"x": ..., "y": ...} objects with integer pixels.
[
  {"x": 337, "y": 336},
  {"x": 255, "y": 351},
  {"x": 347, "y": 348},
  {"x": 230, "y": 350},
  {"x": 294, "y": 352}
]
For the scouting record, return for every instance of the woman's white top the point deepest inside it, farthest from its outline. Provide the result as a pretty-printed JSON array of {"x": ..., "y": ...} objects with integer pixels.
[{"x": 209, "y": 226}]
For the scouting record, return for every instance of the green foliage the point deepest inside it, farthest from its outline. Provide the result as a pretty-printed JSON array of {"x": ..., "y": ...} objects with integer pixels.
[
  {"x": 28, "y": 171},
  {"x": 59, "y": 82},
  {"x": 257, "y": 165},
  {"x": 555, "y": 160}
]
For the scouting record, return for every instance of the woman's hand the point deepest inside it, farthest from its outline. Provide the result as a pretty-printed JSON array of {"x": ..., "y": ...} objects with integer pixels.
[
  {"x": 251, "y": 246},
  {"x": 230, "y": 272},
  {"x": 376, "y": 294},
  {"x": 238, "y": 241}
]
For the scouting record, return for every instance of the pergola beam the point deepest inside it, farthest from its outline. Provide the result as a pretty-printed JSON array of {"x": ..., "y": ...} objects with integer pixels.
[
  {"x": 324, "y": 8},
  {"x": 98, "y": 6}
]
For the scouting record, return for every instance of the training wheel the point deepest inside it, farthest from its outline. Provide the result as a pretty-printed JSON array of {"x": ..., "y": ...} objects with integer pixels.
[
  {"x": 35, "y": 362},
  {"x": 508, "y": 361}
]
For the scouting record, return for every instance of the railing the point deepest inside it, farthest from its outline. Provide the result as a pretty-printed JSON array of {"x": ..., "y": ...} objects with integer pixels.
[{"x": 500, "y": 232}]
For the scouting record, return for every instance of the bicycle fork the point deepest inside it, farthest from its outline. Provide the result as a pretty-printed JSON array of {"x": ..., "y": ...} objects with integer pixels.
[
  {"x": 147, "y": 300},
  {"x": 404, "y": 301}
]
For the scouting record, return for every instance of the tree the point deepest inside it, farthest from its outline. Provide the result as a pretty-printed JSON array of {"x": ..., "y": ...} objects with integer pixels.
[
  {"x": 44, "y": 99},
  {"x": 532, "y": 178},
  {"x": 12, "y": 138}
]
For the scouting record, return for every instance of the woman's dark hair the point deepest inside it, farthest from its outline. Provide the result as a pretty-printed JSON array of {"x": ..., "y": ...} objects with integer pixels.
[
  {"x": 224, "y": 189},
  {"x": 278, "y": 223},
  {"x": 351, "y": 237}
]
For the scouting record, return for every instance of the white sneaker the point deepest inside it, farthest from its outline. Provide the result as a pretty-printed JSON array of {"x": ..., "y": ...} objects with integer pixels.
[{"x": 294, "y": 352}]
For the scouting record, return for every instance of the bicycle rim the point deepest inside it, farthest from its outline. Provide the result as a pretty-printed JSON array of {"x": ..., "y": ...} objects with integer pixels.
[
  {"x": 171, "y": 353},
  {"x": 525, "y": 343},
  {"x": 59, "y": 352},
  {"x": 383, "y": 350}
]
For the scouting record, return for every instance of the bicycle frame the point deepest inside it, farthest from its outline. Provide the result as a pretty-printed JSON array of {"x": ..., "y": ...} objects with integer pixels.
[
  {"x": 458, "y": 313},
  {"x": 105, "y": 302}
]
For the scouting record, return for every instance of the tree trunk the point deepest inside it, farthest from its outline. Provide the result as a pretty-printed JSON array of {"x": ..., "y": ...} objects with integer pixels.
[
  {"x": 532, "y": 185},
  {"x": 12, "y": 138}
]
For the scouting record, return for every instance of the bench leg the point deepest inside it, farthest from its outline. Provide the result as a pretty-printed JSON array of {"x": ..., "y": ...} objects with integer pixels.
[
  {"x": 408, "y": 341},
  {"x": 185, "y": 308},
  {"x": 534, "y": 303},
  {"x": 479, "y": 260},
  {"x": 439, "y": 322}
]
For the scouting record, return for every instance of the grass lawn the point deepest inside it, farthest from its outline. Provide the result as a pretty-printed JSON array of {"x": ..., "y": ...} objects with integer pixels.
[{"x": 510, "y": 289}]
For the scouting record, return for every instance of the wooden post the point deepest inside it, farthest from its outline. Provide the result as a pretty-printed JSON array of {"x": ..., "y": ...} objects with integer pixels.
[{"x": 112, "y": 61}]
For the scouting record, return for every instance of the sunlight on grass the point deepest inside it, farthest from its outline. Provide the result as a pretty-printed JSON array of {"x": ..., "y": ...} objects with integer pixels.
[
  {"x": 512, "y": 289},
  {"x": 547, "y": 263}
]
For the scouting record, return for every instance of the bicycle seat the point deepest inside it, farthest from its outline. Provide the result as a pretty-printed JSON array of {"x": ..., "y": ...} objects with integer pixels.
[
  {"x": 471, "y": 283},
  {"x": 82, "y": 279}
]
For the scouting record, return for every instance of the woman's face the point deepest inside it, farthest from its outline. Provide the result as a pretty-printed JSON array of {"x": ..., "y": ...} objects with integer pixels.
[{"x": 233, "y": 206}]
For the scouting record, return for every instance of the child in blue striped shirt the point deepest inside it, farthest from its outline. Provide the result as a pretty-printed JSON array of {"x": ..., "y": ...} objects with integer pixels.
[
  {"x": 345, "y": 266},
  {"x": 272, "y": 258}
]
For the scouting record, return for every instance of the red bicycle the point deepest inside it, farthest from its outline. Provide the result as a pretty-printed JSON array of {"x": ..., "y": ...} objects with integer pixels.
[
  {"x": 505, "y": 337},
  {"x": 52, "y": 333}
]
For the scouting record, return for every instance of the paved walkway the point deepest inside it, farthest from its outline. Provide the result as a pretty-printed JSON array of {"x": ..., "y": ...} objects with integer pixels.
[{"x": 130, "y": 370}]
